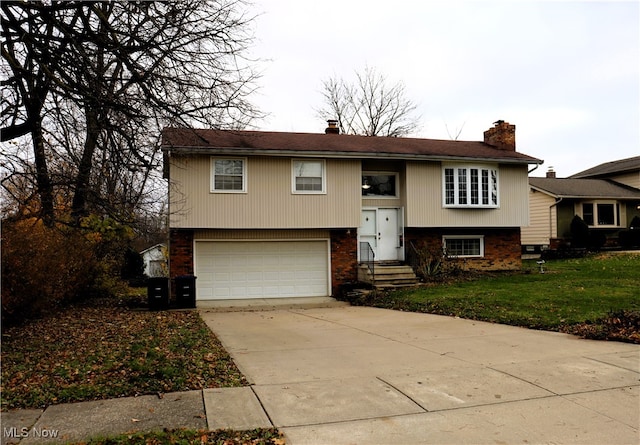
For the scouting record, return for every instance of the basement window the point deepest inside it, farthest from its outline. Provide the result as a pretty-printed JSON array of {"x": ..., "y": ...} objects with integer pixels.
[{"x": 464, "y": 246}]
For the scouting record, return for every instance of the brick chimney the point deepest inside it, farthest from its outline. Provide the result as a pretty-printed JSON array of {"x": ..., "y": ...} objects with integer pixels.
[
  {"x": 551, "y": 173},
  {"x": 332, "y": 127},
  {"x": 502, "y": 136}
]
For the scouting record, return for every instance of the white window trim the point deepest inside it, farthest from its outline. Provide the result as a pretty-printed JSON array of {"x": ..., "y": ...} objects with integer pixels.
[
  {"x": 212, "y": 174},
  {"x": 309, "y": 192},
  {"x": 618, "y": 212},
  {"x": 468, "y": 205},
  {"x": 373, "y": 173},
  {"x": 479, "y": 237}
]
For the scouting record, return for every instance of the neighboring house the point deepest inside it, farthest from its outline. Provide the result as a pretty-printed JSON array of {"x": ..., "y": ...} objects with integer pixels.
[
  {"x": 624, "y": 171},
  {"x": 155, "y": 261},
  {"x": 606, "y": 197},
  {"x": 268, "y": 214}
]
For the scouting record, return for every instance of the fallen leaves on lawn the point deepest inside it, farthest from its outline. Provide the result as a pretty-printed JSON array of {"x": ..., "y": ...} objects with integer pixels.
[
  {"x": 621, "y": 325},
  {"x": 88, "y": 353}
]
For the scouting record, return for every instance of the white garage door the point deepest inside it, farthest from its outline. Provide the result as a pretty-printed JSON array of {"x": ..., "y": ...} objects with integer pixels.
[{"x": 261, "y": 269}]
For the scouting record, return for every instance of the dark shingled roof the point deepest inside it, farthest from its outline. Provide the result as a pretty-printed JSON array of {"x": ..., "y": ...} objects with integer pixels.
[
  {"x": 610, "y": 168},
  {"x": 584, "y": 188},
  {"x": 183, "y": 140}
]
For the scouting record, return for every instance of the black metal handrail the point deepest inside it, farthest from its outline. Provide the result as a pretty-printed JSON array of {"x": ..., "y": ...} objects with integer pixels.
[{"x": 368, "y": 256}]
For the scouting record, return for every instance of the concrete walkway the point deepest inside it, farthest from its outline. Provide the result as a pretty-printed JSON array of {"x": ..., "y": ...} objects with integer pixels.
[{"x": 368, "y": 376}]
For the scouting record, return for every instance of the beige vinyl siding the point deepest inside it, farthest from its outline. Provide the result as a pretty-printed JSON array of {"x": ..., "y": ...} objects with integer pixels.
[
  {"x": 540, "y": 227},
  {"x": 630, "y": 179},
  {"x": 245, "y": 235},
  {"x": 424, "y": 206},
  {"x": 268, "y": 202}
]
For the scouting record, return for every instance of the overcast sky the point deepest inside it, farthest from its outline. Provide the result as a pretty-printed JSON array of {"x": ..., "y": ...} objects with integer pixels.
[{"x": 565, "y": 73}]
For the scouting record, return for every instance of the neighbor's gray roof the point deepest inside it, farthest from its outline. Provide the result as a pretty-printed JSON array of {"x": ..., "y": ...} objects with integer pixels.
[
  {"x": 584, "y": 188},
  {"x": 611, "y": 168},
  {"x": 183, "y": 140}
]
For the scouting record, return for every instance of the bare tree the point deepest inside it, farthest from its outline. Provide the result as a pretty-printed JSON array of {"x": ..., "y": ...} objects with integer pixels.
[
  {"x": 369, "y": 106},
  {"x": 92, "y": 83}
]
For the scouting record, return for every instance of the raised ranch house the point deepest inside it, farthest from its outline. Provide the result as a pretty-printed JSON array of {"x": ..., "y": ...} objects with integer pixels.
[
  {"x": 606, "y": 197},
  {"x": 269, "y": 214}
]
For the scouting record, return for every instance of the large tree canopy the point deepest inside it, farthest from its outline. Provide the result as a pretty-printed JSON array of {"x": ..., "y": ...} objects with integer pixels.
[
  {"x": 369, "y": 106},
  {"x": 91, "y": 83}
]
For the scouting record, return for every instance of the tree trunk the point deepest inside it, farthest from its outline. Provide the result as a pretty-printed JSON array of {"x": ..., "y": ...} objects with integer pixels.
[
  {"x": 43, "y": 180},
  {"x": 83, "y": 179}
]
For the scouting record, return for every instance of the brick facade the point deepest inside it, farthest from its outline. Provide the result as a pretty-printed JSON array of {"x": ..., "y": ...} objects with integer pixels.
[
  {"x": 502, "y": 249},
  {"x": 180, "y": 252},
  {"x": 344, "y": 258},
  {"x": 344, "y": 255}
]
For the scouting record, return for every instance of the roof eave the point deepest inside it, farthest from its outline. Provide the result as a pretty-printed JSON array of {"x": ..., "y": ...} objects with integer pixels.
[
  {"x": 340, "y": 154},
  {"x": 569, "y": 196}
]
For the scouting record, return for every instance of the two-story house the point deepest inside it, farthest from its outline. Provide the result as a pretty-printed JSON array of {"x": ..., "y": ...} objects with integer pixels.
[
  {"x": 606, "y": 197},
  {"x": 268, "y": 214}
]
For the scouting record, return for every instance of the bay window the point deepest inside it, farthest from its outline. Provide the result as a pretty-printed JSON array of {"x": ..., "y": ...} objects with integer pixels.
[{"x": 470, "y": 186}]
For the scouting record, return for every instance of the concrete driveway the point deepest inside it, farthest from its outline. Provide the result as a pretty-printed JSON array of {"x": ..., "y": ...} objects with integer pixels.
[{"x": 358, "y": 375}]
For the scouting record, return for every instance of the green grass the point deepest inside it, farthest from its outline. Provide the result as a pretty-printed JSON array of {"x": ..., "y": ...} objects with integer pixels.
[
  {"x": 192, "y": 437},
  {"x": 103, "y": 350},
  {"x": 570, "y": 292}
]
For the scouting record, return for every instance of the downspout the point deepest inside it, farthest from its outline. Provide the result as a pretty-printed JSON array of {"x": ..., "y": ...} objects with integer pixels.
[
  {"x": 533, "y": 169},
  {"x": 558, "y": 201}
]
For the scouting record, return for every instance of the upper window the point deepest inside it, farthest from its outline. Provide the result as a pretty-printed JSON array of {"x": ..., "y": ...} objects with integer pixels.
[
  {"x": 376, "y": 185},
  {"x": 470, "y": 186},
  {"x": 308, "y": 176},
  {"x": 228, "y": 175},
  {"x": 601, "y": 213}
]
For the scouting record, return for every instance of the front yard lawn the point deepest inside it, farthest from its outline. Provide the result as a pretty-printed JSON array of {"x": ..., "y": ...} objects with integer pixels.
[
  {"x": 190, "y": 437},
  {"x": 103, "y": 350},
  {"x": 596, "y": 297}
]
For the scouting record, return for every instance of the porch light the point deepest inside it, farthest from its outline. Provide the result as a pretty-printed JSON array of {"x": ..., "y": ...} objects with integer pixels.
[{"x": 365, "y": 185}]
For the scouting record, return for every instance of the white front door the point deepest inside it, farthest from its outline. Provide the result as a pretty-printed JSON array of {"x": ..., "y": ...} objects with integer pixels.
[{"x": 382, "y": 229}]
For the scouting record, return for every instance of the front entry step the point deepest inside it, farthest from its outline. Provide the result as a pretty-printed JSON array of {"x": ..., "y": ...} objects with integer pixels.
[{"x": 388, "y": 275}]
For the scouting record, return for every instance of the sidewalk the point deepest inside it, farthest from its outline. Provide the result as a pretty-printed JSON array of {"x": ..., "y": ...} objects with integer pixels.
[
  {"x": 212, "y": 409},
  {"x": 373, "y": 376}
]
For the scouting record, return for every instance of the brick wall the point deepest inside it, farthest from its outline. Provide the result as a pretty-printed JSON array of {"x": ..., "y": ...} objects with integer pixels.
[
  {"x": 180, "y": 252},
  {"x": 344, "y": 258},
  {"x": 502, "y": 250}
]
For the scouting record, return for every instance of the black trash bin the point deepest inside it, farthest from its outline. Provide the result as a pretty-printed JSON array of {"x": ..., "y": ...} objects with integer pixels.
[
  {"x": 158, "y": 293},
  {"x": 186, "y": 291}
]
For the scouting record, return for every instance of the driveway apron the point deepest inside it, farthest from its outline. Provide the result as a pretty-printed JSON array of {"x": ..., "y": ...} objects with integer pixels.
[{"x": 368, "y": 376}]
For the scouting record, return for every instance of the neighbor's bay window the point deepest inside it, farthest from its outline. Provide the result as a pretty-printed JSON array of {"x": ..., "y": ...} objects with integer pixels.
[
  {"x": 601, "y": 213},
  {"x": 470, "y": 186}
]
